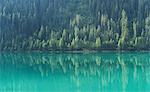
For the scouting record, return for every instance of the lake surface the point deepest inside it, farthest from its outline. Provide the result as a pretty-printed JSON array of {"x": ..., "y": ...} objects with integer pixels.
[{"x": 74, "y": 72}]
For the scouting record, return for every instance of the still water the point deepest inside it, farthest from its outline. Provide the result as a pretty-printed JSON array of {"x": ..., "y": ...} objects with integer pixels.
[{"x": 74, "y": 72}]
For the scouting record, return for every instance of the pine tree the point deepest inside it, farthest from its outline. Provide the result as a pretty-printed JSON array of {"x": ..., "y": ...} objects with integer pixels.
[
  {"x": 98, "y": 42},
  {"x": 61, "y": 43},
  {"x": 41, "y": 32},
  {"x": 147, "y": 29},
  {"x": 124, "y": 30}
]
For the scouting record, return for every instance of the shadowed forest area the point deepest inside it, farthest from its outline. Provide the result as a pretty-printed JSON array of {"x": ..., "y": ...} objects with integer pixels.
[{"x": 74, "y": 25}]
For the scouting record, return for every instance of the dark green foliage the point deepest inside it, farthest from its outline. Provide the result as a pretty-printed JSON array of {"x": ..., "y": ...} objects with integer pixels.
[{"x": 74, "y": 24}]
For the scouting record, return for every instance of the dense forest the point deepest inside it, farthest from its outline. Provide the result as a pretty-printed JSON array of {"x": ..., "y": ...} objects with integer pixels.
[{"x": 74, "y": 25}]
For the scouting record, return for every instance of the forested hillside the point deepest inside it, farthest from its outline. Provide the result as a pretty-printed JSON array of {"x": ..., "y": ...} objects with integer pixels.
[{"x": 74, "y": 25}]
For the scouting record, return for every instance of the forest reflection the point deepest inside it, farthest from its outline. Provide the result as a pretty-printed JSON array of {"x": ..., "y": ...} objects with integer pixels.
[{"x": 106, "y": 67}]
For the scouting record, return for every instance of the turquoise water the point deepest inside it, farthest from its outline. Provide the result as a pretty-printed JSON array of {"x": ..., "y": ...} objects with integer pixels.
[{"x": 74, "y": 72}]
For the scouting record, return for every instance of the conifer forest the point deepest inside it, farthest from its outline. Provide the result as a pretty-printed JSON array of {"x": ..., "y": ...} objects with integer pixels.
[{"x": 70, "y": 25}]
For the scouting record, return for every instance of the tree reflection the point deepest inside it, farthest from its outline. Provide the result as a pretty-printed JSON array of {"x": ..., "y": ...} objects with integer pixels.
[{"x": 107, "y": 68}]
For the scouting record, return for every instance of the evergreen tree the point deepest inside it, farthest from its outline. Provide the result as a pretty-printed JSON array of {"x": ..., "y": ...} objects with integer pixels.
[
  {"x": 61, "y": 43},
  {"x": 124, "y": 30},
  {"x": 98, "y": 42}
]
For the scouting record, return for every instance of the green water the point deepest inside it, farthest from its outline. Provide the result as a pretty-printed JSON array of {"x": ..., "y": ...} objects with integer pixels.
[{"x": 75, "y": 72}]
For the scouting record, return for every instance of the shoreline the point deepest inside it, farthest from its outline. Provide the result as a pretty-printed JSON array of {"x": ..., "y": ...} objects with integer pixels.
[{"x": 74, "y": 51}]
